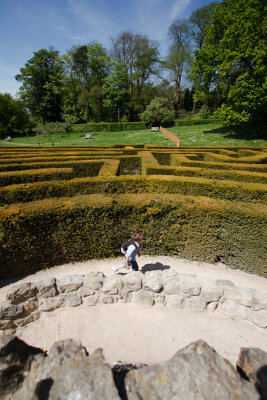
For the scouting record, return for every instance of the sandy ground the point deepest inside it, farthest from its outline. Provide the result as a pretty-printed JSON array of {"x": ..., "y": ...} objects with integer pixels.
[{"x": 135, "y": 334}]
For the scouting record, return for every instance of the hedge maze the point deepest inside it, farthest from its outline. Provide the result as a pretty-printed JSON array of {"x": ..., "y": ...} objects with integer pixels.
[{"x": 61, "y": 205}]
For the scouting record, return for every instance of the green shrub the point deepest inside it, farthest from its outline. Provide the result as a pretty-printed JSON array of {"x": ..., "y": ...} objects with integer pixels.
[
  {"x": 56, "y": 231},
  {"x": 189, "y": 122}
]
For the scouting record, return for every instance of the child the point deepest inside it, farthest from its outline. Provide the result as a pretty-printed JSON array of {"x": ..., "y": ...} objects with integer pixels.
[{"x": 130, "y": 249}]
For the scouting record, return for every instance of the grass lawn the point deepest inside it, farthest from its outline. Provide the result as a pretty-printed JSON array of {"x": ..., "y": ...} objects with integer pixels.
[{"x": 196, "y": 135}]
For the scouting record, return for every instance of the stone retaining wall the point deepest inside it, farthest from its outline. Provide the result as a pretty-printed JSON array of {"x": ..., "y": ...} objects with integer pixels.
[{"x": 27, "y": 301}]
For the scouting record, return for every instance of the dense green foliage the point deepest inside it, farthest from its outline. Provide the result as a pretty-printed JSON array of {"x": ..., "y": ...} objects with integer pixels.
[
  {"x": 158, "y": 112},
  {"x": 233, "y": 58},
  {"x": 14, "y": 117}
]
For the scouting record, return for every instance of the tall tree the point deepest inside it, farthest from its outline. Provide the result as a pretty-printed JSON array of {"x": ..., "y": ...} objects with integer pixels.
[
  {"x": 42, "y": 80},
  {"x": 179, "y": 57},
  {"x": 233, "y": 57},
  {"x": 140, "y": 55},
  {"x": 14, "y": 118}
]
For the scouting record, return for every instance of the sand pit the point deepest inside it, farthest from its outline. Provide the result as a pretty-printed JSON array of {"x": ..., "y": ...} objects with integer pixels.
[{"x": 136, "y": 334}]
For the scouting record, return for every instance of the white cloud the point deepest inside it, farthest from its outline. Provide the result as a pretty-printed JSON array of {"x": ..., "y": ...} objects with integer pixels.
[{"x": 178, "y": 7}]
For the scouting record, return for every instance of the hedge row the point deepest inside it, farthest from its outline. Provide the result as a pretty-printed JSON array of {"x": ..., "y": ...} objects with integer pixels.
[
  {"x": 259, "y": 158},
  {"x": 240, "y": 176},
  {"x": 182, "y": 160},
  {"x": 56, "y": 231},
  {"x": 45, "y": 174},
  {"x": 219, "y": 189}
]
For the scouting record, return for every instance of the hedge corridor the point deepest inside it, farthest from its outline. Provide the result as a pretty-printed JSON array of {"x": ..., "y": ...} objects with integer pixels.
[{"x": 72, "y": 204}]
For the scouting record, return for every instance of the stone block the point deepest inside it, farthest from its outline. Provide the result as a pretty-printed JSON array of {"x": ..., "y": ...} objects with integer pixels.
[
  {"x": 159, "y": 298},
  {"x": 73, "y": 299},
  {"x": 259, "y": 318},
  {"x": 224, "y": 282},
  {"x": 20, "y": 293},
  {"x": 260, "y": 301},
  {"x": 132, "y": 282},
  {"x": 6, "y": 324},
  {"x": 168, "y": 273},
  {"x": 46, "y": 287},
  {"x": 189, "y": 285},
  {"x": 152, "y": 281},
  {"x": 94, "y": 280},
  {"x": 85, "y": 291},
  {"x": 28, "y": 319},
  {"x": 232, "y": 309},
  {"x": 212, "y": 306},
  {"x": 30, "y": 305},
  {"x": 69, "y": 283},
  {"x": 10, "y": 311},
  {"x": 107, "y": 299},
  {"x": 171, "y": 285},
  {"x": 91, "y": 300},
  {"x": 175, "y": 301},
  {"x": 211, "y": 294},
  {"x": 112, "y": 284},
  {"x": 51, "y": 303},
  {"x": 143, "y": 298}
]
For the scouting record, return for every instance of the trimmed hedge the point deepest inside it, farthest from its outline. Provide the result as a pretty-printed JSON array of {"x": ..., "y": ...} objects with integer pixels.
[
  {"x": 182, "y": 160},
  {"x": 260, "y": 158},
  {"x": 219, "y": 189},
  {"x": 56, "y": 231},
  {"x": 44, "y": 174},
  {"x": 240, "y": 176}
]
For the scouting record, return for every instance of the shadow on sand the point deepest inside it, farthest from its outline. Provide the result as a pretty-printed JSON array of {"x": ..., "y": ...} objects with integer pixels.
[{"x": 154, "y": 267}]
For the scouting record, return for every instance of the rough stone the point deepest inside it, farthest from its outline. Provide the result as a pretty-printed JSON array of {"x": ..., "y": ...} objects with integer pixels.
[
  {"x": 260, "y": 301},
  {"x": 143, "y": 298},
  {"x": 47, "y": 287},
  {"x": 6, "y": 324},
  {"x": 132, "y": 282},
  {"x": 51, "y": 303},
  {"x": 85, "y": 291},
  {"x": 93, "y": 281},
  {"x": 159, "y": 298},
  {"x": 69, "y": 283},
  {"x": 171, "y": 285},
  {"x": 232, "y": 309},
  {"x": 73, "y": 300},
  {"x": 212, "y": 306},
  {"x": 175, "y": 301},
  {"x": 11, "y": 311},
  {"x": 168, "y": 273},
  {"x": 242, "y": 296},
  {"x": 28, "y": 319},
  {"x": 87, "y": 379},
  {"x": 21, "y": 293},
  {"x": 189, "y": 285},
  {"x": 30, "y": 305},
  {"x": 196, "y": 372},
  {"x": 259, "y": 318},
  {"x": 210, "y": 294},
  {"x": 112, "y": 284},
  {"x": 16, "y": 358},
  {"x": 152, "y": 281},
  {"x": 91, "y": 300},
  {"x": 250, "y": 361},
  {"x": 107, "y": 299}
]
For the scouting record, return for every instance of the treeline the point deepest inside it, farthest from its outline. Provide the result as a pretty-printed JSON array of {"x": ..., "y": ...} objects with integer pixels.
[{"x": 216, "y": 62}]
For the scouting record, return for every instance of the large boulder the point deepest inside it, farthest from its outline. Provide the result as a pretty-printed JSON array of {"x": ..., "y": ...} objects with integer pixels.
[
  {"x": 21, "y": 293},
  {"x": 69, "y": 283},
  {"x": 16, "y": 358},
  {"x": 250, "y": 361},
  {"x": 195, "y": 372}
]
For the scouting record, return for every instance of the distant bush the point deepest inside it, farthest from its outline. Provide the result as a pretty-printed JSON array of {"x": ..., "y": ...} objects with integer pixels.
[
  {"x": 158, "y": 112},
  {"x": 114, "y": 126}
]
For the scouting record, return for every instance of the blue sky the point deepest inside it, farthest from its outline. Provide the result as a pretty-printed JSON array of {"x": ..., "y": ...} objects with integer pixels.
[{"x": 29, "y": 25}]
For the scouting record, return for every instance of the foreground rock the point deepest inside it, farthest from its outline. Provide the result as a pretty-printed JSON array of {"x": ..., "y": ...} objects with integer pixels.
[{"x": 196, "y": 372}]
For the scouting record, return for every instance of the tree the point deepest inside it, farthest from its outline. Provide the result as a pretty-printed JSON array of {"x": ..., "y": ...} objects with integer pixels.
[
  {"x": 200, "y": 19},
  {"x": 42, "y": 80},
  {"x": 115, "y": 90},
  {"x": 158, "y": 112},
  {"x": 233, "y": 58},
  {"x": 140, "y": 55},
  {"x": 179, "y": 57},
  {"x": 14, "y": 118}
]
